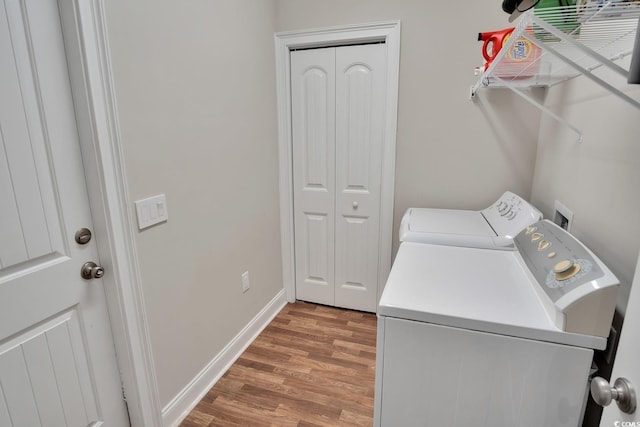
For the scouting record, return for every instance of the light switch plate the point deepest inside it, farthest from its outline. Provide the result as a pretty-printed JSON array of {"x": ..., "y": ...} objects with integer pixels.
[{"x": 151, "y": 211}]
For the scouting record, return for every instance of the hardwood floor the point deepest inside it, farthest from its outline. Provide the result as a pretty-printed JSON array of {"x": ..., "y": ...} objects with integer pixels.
[{"x": 312, "y": 366}]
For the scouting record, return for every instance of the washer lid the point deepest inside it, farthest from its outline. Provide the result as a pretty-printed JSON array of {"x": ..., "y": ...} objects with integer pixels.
[
  {"x": 477, "y": 289},
  {"x": 450, "y": 227},
  {"x": 493, "y": 227},
  {"x": 448, "y": 221}
]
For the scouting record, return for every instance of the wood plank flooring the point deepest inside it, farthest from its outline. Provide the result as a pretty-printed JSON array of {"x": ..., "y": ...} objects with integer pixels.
[{"x": 312, "y": 366}]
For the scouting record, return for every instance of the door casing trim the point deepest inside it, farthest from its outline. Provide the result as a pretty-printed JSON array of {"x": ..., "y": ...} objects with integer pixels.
[
  {"x": 89, "y": 63},
  {"x": 389, "y": 32}
]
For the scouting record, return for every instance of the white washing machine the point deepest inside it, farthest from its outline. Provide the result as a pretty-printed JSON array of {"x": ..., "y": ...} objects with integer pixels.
[
  {"x": 493, "y": 227},
  {"x": 479, "y": 337}
]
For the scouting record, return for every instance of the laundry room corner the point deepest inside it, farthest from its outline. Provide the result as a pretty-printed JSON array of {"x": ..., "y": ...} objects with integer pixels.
[
  {"x": 597, "y": 178},
  {"x": 444, "y": 140}
]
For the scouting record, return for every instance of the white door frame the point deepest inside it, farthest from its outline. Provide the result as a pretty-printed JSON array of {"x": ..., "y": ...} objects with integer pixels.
[
  {"x": 94, "y": 98},
  {"x": 389, "y": 32}
]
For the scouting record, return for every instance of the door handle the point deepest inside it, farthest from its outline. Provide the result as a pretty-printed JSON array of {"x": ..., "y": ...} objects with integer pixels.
[
  {"x": 622, "y": 392},
  {"x": 91, "y": 270}
]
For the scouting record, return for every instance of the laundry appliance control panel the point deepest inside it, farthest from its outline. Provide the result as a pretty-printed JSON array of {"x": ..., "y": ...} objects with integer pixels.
[
  {"x": 579, "y": 291},
  {"x": 510, "y": 214}
]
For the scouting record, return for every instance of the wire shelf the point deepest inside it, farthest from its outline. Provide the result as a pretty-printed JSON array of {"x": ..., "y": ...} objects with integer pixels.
[
  {"x": 567, "y": 41},
  {"x": 608, "y": 30}
]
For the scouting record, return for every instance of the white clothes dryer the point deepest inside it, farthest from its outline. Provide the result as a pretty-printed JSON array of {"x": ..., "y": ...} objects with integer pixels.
[
  {"x": 493, "y": 227},
  {"x": 470, "y": 336}
]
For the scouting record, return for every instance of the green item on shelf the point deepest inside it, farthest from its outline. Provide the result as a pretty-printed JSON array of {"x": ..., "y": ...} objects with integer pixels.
[{"x": 562, "y": 14}]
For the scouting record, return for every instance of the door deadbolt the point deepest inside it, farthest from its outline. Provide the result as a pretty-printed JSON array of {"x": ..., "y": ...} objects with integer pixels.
[
  {"x": 83, "y": 236},
  {"x": 91, "y": 270}
]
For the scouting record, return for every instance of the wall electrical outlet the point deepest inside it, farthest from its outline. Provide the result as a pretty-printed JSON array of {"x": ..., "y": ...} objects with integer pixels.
[
  {"x": 245, "y": 282},
  {"x": 562, "y": 216}
]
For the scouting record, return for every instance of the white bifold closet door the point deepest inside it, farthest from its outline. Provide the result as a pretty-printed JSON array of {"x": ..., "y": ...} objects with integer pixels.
[{"x": 338, "y": 104}]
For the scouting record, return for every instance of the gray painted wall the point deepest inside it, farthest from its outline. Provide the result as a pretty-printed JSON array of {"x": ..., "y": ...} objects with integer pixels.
[{"x": 195, "y": 87}]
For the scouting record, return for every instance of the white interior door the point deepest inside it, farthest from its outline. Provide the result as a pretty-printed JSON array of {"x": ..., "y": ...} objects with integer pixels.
[
  {"x": 360, "y": 106},
  {"x": 313, "y": 127},
  {"x": 57, "y": 359},
  {"x": 626, "y": 364},
  {"x": 338, "y": 105}
]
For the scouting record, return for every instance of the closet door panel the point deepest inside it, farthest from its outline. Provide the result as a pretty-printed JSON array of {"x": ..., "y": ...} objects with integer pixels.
[
  {"x": 360, "y": 105},
  {"x": 313, "y": 129}
]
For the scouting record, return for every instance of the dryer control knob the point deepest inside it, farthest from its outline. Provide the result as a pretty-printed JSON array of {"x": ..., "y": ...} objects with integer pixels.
[
  {"x": 544, "y": 244},
  {"x": 536, "y": 236},
  {"x": 563, "y": 266},
  {"x": 566, "y": 269}
]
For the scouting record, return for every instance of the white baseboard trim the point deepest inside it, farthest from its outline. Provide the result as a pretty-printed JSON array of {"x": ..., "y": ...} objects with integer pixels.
[{"x": 178, "y": 409}]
